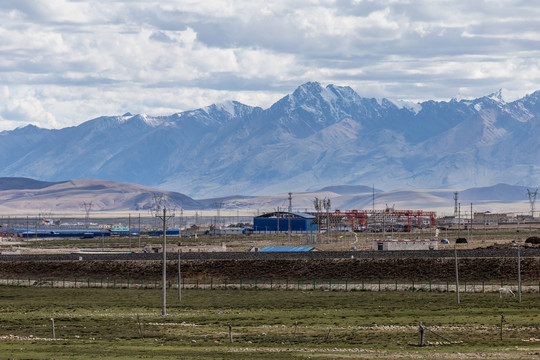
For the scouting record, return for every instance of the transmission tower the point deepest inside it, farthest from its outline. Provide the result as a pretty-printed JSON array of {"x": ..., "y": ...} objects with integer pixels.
[
  {"x": 290, "y": 202},
  {"x": 218, "y": 205},
  {"x": 532, "y": 199},
  {"x": 87, "y": 208}
]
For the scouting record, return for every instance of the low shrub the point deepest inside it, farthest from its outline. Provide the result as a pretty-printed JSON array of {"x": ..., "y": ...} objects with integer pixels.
[{"x": 533, "y": 240}]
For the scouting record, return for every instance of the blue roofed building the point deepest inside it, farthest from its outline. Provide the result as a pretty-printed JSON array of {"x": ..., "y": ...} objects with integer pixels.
[{"x": 282, "y": 221}]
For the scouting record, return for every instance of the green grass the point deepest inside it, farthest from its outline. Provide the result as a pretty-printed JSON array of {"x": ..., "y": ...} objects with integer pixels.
[{"x": 102, "y": 323}]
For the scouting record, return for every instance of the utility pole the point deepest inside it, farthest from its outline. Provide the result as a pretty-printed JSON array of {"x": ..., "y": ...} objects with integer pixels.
[
  {"x": 289, "y": 216},
  {"x": 277, "y": 218},
  {"x": 373, "y": 198},
  {"x": 471, "y": 228},
  {"x": 455, "y": 204},
  {"x": 457, "y": 275},
  {"x": 129, "y": 230},
  {"x": 181, "y": 223},
  {"x": 161, "y": 213},
  {"x": 519, "y": 274},
  {"x": 459, "y": 220},
  {"x": 485, "y": 234},
  {"x": 179, "y": 278},
  {"x": 317, "y": 203},
  {"x": 164, "y": 217}
]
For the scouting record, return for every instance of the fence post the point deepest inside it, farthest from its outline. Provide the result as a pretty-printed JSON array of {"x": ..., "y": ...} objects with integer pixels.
[
  {"x": 429, "y": 285},
  {"x": 346, "y": 287},
  {"x": 211, "y": 284},
  {"x": 413, "y": 285},
  {"x": 379, "y": 285},
  {"x": 53, "y": 330},
  {"x": 75, "y": 283},
  {"x": 483, "y": 287}
]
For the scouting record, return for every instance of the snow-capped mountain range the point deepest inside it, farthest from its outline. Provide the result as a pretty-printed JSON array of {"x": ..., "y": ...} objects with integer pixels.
[{"x": 315, "y": 137}]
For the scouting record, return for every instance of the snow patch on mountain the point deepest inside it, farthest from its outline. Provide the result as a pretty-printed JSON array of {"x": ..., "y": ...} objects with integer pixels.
[
  {"x": 403, "y": 104},
  {"x": 227, "y": 106}
]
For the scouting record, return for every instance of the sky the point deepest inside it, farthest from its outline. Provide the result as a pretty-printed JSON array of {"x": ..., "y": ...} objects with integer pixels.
[{"x": 65, "y": 62}]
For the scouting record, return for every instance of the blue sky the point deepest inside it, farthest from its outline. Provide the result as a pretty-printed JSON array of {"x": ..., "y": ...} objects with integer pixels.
[{"x": 64, "y": 62}]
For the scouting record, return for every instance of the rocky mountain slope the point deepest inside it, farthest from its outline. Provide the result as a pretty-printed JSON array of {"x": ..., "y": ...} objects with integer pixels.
[{"x": 315, "y": 137}]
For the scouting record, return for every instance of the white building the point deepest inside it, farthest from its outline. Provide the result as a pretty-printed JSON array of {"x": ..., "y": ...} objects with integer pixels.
[{"x": 398, "y": 245}]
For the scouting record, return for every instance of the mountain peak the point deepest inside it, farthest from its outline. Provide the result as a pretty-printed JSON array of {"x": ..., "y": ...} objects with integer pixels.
[
  {"x": 497, "y": 96},
  {"x": 310, "y": 86}
]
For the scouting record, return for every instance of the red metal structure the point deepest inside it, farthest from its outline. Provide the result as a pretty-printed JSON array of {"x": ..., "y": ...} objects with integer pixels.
[{"x": 360, "y": 217}]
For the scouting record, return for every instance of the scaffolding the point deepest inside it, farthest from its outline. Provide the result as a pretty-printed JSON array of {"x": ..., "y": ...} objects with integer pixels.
[{"x": 358, "y": 219}]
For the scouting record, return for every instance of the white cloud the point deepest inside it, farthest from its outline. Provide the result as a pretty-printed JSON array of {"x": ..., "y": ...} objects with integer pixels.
[
  {"x": 67, "y": 61},
  {"x": 27, "y": 110}
]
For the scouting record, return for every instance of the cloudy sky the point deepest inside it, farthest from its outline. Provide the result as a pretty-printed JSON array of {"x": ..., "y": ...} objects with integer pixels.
[{"x": 64, "y": 62}]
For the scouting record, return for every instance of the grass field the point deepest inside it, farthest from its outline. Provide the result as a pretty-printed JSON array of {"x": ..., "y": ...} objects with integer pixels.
[{"x": 104, "y": 323}]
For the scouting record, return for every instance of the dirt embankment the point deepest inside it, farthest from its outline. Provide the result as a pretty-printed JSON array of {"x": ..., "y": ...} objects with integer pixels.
[{"x": 298, "y": 269}]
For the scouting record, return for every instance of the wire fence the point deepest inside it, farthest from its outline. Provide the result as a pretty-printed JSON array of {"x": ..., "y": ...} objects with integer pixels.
[{"x": 277, "y": 284}]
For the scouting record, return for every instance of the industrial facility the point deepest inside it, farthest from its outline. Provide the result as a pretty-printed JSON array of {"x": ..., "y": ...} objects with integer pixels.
[
  {"x": 388, "y": 220},
  {"x": 283, "y": 221}
]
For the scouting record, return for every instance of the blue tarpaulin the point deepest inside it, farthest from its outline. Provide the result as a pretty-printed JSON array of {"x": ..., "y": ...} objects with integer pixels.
[{"x": 286, "y": 248}]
